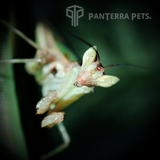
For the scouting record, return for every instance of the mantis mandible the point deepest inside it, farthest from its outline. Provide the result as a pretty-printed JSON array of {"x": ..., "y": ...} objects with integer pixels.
[{"x": 62, "y": 80}]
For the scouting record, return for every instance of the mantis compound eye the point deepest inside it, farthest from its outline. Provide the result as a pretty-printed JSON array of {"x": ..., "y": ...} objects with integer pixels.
[
  {"x": 107, "y": 81},
  {"x": 89, "y": 56}
]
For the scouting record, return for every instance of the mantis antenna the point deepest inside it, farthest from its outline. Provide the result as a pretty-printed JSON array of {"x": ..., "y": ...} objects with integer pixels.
[
  {"x": 98, "y": 57},
  {"x": 122, "y": 64}
]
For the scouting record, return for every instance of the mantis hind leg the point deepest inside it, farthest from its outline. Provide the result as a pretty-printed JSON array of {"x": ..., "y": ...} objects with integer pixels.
[{"x": 66, "y": 141}]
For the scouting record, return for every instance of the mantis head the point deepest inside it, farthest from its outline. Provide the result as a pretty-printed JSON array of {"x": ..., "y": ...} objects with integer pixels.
[{"x": 92, "y": 73}]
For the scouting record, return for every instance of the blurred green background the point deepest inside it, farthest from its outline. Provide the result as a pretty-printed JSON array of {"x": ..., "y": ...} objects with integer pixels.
[{"x": 120, "y": 122}]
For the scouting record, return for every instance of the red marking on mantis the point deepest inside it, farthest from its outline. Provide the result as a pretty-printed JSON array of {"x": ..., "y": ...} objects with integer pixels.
[{"x": 99, "y": 66}]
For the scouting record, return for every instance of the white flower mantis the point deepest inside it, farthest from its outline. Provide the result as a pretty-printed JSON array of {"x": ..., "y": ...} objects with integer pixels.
[{"x": 63, "y": 81}]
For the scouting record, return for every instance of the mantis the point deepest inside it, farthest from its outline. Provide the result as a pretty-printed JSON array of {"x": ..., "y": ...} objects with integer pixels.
[{"x": 62, "y": 80}]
